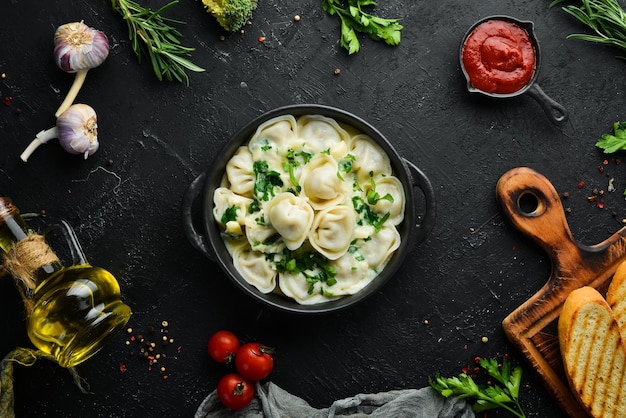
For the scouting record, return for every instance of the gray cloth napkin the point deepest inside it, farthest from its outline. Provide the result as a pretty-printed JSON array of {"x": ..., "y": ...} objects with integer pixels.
[{"x": 271, "y": 401}]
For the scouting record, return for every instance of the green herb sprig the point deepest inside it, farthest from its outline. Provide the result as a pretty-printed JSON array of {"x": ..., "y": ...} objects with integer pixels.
[
  {"x": 616, "y": 142},
  {"x": 503, "y": 395},
  {"x": 607, "y": 19},
  {"x": 151, "y": 34},
  {"x": 355, "y": 20}
]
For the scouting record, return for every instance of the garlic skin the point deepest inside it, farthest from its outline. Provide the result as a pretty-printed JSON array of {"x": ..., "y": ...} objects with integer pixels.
[
  {"x": 77, "y": 130},
  {"x": 79, "y": 47}
]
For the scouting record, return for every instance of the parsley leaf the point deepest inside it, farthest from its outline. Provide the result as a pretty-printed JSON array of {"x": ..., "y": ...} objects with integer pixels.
[
  {"x": 500, "y": 395},
  {"x": 373, "y": 197},
  {"x": 265, "y": 180},
  {"x": 354, "y": 20},
  {"x": 313, "y": 266},
  {"x": 369, "y": 215},
  {"x": 230, "y": 214},
  {"x": 616, "y": 142}
]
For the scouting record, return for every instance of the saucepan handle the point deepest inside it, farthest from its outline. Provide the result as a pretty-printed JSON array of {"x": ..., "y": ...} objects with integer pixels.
[
  {"x": 196, "y": 238},
  {"x": 555, "y": 111},
  {"x": 426, "y": 222}
]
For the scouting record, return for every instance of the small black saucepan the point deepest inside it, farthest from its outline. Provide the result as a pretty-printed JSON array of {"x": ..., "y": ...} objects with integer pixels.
[
  {"x": 417, "y": 224},
  {"x": 555, "y": 111}
]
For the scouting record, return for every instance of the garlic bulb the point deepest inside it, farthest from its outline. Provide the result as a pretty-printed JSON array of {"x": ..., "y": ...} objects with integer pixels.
[
  {"x": 76, "y": 129},
  {"x": 77, "y": 49}
]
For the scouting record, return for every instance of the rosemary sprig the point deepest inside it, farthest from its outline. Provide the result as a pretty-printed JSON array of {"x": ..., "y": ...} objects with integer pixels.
[
  {"x": 151, "y": 34},
  {"x": 607, "y": 19}
]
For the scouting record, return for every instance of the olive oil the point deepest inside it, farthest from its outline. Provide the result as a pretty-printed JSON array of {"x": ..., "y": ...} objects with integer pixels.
[{"x": 75, "y": 309}]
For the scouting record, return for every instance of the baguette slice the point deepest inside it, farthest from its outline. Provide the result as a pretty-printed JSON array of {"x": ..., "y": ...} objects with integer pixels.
[
  {"x": 616, "y": 297},
  {"x": 594, "y": 355}
]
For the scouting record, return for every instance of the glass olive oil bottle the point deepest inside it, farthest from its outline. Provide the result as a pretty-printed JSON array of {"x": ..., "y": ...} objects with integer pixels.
[{"x": 71, "y": 311}]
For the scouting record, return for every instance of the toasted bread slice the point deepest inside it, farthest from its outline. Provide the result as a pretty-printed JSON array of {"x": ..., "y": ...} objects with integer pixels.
[
  {"x": 594, "y": 355},
  {"x": 616, "y": 297}
]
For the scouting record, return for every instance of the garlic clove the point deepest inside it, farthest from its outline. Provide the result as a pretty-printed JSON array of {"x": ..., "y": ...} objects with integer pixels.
[{"x": 77, "y": 49}]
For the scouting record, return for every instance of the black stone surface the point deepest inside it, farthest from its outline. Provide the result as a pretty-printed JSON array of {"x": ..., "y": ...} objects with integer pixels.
[{"x": 156, "y": 137}]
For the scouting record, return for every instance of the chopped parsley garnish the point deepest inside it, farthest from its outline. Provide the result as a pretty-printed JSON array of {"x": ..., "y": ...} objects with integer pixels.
[
  {"x": 230, "y": 214},
  {"x": 369, "y": 215},
  {"x": 345, "y": 165},
  {"x": 373, "y": 197},
  {"x": 254, "y": 206},
  {"x": 291, "y": 163},
  {"x": 266, "y": 145},
  {"x": 313, "y": 266},
  {"x": 265, "y": 180}
]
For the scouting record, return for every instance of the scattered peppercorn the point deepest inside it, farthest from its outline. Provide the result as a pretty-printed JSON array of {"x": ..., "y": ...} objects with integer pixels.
[
  {"x": 148, "y": 350},
  {"x": 337, "y": 71}
]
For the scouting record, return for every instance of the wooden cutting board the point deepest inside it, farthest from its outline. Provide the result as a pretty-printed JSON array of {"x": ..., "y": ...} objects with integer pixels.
[{"x": 534, "y": 207}]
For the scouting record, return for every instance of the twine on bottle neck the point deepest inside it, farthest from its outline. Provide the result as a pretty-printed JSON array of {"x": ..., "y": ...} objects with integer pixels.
[{"x": 22, "y": 262}]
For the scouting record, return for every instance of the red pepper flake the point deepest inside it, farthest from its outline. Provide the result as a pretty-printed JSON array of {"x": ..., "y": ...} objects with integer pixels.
[
  {"x": 581, "y": 184},
  {"x": 592, "y": 198},
  {"x": 477, "y": 359},
  {"x": 466, "y": 369},
  {"x": 600, "y": 205},
  {"x": 605, "y": 162},
  {"x": 123, "y": 367},
  {"x": 7, "y": 100},
  {"x": 261, "y": 38}
]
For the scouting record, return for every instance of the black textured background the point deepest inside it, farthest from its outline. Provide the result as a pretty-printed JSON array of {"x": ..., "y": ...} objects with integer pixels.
[{"x": 464, "y": 279}]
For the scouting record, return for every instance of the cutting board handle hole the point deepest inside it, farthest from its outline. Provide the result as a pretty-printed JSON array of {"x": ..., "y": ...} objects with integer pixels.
[{"x": 528, "y": 202}]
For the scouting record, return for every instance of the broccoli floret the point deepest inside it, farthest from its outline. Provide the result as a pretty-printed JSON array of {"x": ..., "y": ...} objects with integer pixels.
[{"x": 231, "y": 14}]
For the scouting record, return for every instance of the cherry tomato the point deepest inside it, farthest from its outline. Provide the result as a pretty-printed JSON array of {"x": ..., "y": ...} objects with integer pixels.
[
  {"x": 254, "y": 361},
  {"x": 234, "y": 391},
  {"x": 223, "y": 346}
]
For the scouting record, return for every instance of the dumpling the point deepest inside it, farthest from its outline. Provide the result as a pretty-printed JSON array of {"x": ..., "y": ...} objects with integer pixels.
[
  {"x": 240, "y": 172},
  {"x": 320, "y": 133},
  {"x": 273, "y": 138},
  {"x": 229, "y": 207},
  {"x": 353, "y": 274},
  {"x": 254, "y": 268},
  {"x": 388, "y": 186},
  {"x": 370, "y": 159},
  {"x": 321, "y": 184},
  {"x": 261, "y": 235},
  {"x": 295, "y": 286},
  {"x": 379, "y": 248},
  {"x": 292, "y": 217},
  {"x": 332, "y": 231}
]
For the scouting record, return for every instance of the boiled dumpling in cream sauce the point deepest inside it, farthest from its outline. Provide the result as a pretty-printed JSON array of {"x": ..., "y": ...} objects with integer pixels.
[
  {"x": 309, "y": 209},
  {"x": 292, "y": 217}
]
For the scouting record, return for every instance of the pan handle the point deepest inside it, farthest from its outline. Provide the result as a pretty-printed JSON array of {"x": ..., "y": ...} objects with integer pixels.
[
  {"x": 556, "y": 112},
  {"x": 197, "y": 239},
  {"x": 428, "y": 219}
]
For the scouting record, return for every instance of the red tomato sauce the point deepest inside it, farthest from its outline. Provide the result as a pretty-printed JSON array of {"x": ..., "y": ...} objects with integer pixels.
[{"x": 499, "y": 57}]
